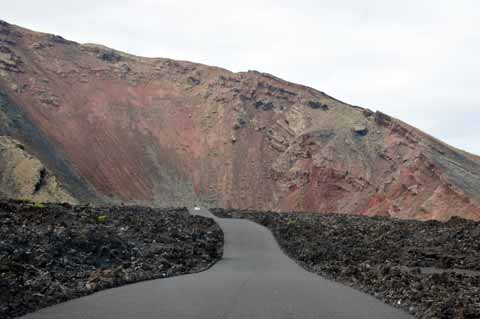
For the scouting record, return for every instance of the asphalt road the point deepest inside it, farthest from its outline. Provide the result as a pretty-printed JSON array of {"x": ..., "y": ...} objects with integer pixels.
[{"x": 255, "y": 279}]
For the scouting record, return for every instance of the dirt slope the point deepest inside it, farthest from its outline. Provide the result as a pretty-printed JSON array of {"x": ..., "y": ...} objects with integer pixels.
[
  {"x": 113, "y": 125},
  {"x": 24, "y": 177}
]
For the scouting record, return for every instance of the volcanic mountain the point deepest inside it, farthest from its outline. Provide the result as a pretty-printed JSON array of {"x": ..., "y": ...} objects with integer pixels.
[{"x": 116, "y": 127}]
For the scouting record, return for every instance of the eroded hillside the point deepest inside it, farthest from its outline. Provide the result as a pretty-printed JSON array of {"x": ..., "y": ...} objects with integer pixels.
[
  {"x": 113, "y": 125},
  {"x": 24, "y": 177}
]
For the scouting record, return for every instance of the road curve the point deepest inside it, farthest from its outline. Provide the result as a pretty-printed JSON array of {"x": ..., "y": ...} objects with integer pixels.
[{"x": 255, "y": 279}]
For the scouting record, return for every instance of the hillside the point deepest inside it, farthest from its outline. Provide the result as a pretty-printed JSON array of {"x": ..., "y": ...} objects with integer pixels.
[
  {"x": 24, "y": 177},
  {"x": 117, "y": 127}
]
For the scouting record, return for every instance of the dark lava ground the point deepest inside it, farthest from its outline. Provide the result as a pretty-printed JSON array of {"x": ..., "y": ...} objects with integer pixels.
[
  {"x": 430, "y": 269},
  {"x": 52, "y": 253}
]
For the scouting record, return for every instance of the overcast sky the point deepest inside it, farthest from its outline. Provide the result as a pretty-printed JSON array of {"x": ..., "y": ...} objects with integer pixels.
[{"x": 417, "y": 60}]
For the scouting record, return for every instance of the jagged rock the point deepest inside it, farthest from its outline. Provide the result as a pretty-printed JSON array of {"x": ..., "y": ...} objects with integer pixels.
[
  {"x": 368, "y": 112},
  {"x": 49, "y": 100},
  {"x": 193, "y": 81},
  {"x": 57, "y": 39},
  {"x": 416, "y": 266},
  {"x": 317, "y": 105},
  {"x": 9, "y": 61},
  {"x": 240, "y": 123},
  {"x": 4, "y": 28},
  {"x": 50, "y": 253},
  {"x": 110, "y": 56},
  {"x": 41, "y": 45},
  {"x": 273, "y": 89},
  {"x": 382, "y": 118},
  {"x": 264, "y": 105},
  {"x": 360, "y": 130},
  {"x": 8, "y": 42}
]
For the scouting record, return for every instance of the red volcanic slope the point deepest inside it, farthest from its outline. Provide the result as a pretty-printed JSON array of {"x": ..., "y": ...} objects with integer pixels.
[{"x": 122, "y": 127}]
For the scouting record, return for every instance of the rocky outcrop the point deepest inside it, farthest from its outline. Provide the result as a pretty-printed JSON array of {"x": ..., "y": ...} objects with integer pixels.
[
  {"x": 24, "y": 177},
  {"x": 168, "y": 132}
]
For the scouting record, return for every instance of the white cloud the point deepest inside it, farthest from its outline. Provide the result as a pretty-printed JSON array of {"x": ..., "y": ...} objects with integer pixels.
[{"x": 416, "y": 60}]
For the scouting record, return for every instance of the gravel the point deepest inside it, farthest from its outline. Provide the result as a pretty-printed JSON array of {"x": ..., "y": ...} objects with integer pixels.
[
  {"x": 50, "y": 253},
  {"x": 430, "y": 269}
]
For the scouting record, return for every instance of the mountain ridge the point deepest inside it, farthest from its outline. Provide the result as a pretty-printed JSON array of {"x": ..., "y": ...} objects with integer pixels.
[{"x": 166, "y": 132}]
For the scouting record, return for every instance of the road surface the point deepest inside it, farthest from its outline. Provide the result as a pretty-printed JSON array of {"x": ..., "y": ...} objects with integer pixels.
[{"x": 255, "y": 279}]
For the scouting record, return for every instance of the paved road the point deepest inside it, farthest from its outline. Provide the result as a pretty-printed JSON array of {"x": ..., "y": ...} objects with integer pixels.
[{"x": 253, "y": 280}]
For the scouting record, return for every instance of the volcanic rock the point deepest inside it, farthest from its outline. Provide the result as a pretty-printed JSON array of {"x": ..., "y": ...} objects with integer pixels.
[
  {"x": 51, "y": 253},
  {"x": 360, "y": 130},
  {"x": 430, "y": 269},
  {"x": 317, "y": 105},
  {"x": 110, "y": 56},
  {"x": 9, "y": 61}
]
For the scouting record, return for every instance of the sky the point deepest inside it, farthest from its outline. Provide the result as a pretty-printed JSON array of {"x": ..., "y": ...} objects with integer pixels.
[{"x": 417, "y": 60}]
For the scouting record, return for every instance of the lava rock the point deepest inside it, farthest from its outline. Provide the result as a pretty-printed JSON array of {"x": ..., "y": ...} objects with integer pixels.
[
  {"x": 360, "y": 130},
  {"x": 397, "y": 261},
  {"x": 50, "y": 253},
  {"x": 382, "y": 118},
  {"x": 264, "y": 105},
  {"x": 317, "y": 105},
  {"x": 110, "y": 56},
  {"x": 9, "y": 61},
  {"x": 57, "y": 39},
  {"x": 192, "y": 81}
]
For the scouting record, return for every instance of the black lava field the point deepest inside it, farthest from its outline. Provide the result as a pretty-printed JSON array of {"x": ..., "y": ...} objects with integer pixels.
[
  {"x": 51, "y": 253},
  {"x": 430, "y": 269}
]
